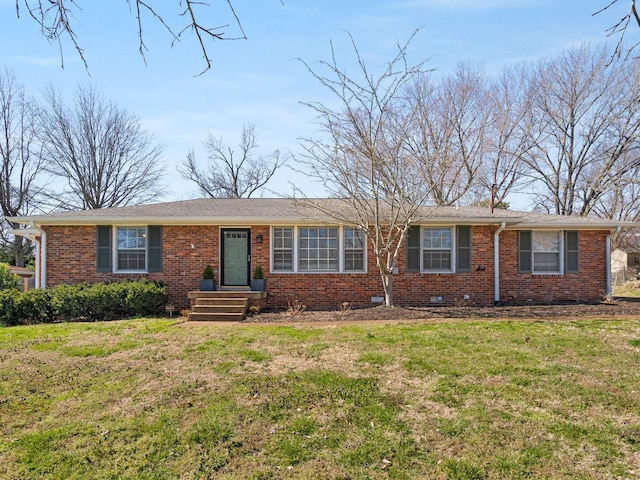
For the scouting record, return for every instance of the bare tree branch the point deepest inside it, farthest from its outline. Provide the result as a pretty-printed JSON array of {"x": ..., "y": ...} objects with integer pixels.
[
  {"x": 100, "y": 152},
  {"x": 621, "y": 29},
  {"x": 233, "y": 174},
  {"x": 57, "y": 19}
]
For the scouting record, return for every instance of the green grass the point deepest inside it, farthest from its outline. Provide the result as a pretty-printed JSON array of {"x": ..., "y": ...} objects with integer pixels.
[
  {"x": 630, "y": 289},
  {"x": 149, "y": 399}
]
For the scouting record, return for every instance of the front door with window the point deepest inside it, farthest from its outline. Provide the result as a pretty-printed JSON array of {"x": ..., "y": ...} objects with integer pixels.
[{"x": 236, "y": 257}]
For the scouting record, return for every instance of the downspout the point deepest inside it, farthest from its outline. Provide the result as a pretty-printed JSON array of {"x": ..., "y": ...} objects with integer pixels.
[
  {"x": 609, "y": 290},
  {"x": 496, "y": 263},
  {"x": 43, "y": 259},
  {"x": 37, "y": 242}
]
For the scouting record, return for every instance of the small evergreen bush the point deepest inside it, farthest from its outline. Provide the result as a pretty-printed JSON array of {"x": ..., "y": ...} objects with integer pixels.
[
  {"x": 258, "y": 273},
  {"x": 208, "y": 273}
]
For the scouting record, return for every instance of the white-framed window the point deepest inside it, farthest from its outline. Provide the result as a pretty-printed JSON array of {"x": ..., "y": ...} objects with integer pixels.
[
  {"x": 282, "y": 249},
  {"x": 546, "y": 251},
  {"x": 317, "y": 249},
  {"x": 131, "y": 249},
  {"x": 354, "y": 243},
  {"x": 437, "y": 249}
]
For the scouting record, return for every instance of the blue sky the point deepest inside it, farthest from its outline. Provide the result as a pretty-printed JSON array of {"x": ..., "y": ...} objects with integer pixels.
[{"x": 260, "y": 80}]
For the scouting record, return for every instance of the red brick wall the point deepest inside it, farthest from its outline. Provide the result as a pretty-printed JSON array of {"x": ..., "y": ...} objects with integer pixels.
[
  {"x": 71, "y": 258},
  {"x": 587, "y": 285}
]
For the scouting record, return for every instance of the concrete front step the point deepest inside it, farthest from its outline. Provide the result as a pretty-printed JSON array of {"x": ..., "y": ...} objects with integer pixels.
[
  {"x": 219, "y": 308},
  {"x": 216, "y": 317},
  {"x": 228, "y": 308},
  {"x": 223, "y": 301}
]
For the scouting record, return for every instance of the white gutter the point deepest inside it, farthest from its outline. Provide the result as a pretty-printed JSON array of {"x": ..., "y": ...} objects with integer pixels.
[
  {"x": 609, "y": 290},
  {"x": 496, "y": 263}
]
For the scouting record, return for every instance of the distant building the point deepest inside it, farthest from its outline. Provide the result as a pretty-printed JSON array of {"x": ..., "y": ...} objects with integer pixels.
[
  {"x": 625, "y": 264},
  {"x": 27, "y": 276}
]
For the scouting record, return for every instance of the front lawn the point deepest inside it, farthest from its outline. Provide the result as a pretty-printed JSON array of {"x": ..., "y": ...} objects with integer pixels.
[{"x": 461, "y": 400}]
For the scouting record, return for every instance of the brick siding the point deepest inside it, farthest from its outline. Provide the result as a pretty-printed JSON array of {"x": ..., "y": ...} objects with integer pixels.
[
  {"x": 588, "y": 285},
  {"x": 71, "y": 258}
]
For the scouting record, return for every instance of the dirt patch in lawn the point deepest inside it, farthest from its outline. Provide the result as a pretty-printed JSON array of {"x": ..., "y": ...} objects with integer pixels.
[{"x": 620, "y": 308}]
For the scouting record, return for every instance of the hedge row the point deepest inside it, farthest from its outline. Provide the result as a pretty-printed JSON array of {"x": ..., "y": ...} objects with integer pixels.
[{"x": 83, "y": 302}]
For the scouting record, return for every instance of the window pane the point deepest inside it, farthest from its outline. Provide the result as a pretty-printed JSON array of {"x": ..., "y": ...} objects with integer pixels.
[
  {"x": 546, "y": 242},
  {"x": 282, "y": 260},
  {"x": 131, "y": 260},
  {"x": 546, "y": 262},
  {"x": 353, "y": 260},
  {"x": 437, "y": 260}
]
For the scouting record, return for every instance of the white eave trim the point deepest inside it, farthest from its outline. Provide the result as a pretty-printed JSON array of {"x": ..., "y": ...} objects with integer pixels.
[
  {"x": 572, "y": 226},
  {"x": 234, "y": 221}
]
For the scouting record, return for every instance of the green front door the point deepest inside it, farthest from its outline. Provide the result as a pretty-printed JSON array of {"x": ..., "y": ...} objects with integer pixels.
[{"x": 235, "y": 257}]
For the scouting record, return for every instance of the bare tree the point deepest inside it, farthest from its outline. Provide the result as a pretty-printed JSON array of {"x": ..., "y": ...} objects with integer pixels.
[
  {"x": 450, "y": 131},
  {"x": 364, "y": 161},
  {"x": 100, "y": 151},
  {"x": 507, "y": 137},
  {"x": 57, "y": 19},
  {"x": 587, "y": 126},
  {"x": 20, "y": 160},
  {"x": 231, "y": 174}
]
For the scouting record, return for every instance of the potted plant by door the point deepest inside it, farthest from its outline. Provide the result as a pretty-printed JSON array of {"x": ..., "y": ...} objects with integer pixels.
[
  {"x": 257, "y": 283},
  {"x": 208, "y": 282}
]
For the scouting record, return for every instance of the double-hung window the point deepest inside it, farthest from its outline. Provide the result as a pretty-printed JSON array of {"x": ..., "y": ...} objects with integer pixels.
[
  {"x": 546, "y": 252},
  {"x": 282, "y": 245},
  {"x": 353, "y": 250},
  {"x": 131, "y": 248},
  {"x": 437, "y": 249}
]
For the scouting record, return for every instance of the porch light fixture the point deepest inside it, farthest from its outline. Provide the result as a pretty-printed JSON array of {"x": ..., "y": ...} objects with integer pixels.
[{"x": 259, "y": 238}]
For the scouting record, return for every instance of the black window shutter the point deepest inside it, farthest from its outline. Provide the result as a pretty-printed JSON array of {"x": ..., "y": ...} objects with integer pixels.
[
  {"x": 154, "y": 248},
  {"x": 524, "y": 251},
  {"x": 463, "y": 249},
  {"x": 413, "y": 249},
  {"x": 571, "y": 252},
  {"x": 103, "y": 250}
]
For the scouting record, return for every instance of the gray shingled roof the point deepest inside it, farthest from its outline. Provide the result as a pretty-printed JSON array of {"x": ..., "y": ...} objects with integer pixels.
[{"x": 271, "y": 211}]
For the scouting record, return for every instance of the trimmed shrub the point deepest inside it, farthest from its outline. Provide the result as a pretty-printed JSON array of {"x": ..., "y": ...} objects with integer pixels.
[
  {"x": 8, "y": 307},
  {"x": 35, "y": 306},
  {"x": 83, "y": 302}
]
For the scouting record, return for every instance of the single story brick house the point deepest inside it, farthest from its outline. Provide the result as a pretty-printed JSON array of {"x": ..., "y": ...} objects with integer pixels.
[{"x": 452, "y": 255}]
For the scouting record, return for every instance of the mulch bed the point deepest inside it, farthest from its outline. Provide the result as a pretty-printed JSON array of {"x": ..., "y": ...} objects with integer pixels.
[{"x": 620, "y": 308}]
